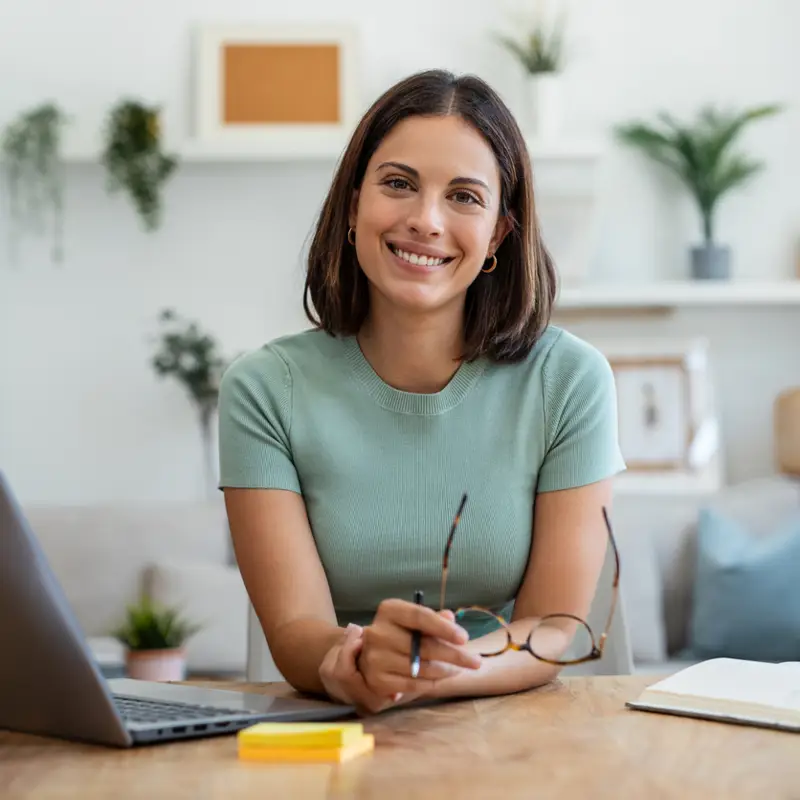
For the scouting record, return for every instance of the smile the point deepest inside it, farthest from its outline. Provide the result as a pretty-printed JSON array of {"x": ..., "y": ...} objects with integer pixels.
[{"x": 417, "y": 259}]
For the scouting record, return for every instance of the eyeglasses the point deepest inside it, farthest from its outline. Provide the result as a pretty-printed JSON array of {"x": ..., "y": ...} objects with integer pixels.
[{"x": 546, "y": 641}]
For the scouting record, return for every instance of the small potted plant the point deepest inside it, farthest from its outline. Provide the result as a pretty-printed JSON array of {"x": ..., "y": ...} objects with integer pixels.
[
  {"x": 154, "y": 639},
  {"x": 540, "y": 51},
  {"x": 700, "y": 154}
]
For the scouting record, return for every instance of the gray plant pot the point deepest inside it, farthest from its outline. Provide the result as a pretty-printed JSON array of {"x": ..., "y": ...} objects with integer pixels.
[{"x": 711, "y": 262}]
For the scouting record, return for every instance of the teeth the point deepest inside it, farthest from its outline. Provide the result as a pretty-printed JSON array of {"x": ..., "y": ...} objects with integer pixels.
[{"x": 413, "y": 258}]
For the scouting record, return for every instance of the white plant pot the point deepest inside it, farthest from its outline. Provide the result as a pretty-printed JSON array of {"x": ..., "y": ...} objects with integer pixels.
[
  {"x": 544, "y": 101},
  {"x": 156, "y": 665}
]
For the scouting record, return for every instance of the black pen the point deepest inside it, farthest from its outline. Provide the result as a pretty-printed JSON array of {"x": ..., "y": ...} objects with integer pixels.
[{"x": 416, "y": 640}]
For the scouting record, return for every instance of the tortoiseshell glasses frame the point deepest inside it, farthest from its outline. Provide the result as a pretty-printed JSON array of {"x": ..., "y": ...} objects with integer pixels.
[{"x": 597, "y": 645}]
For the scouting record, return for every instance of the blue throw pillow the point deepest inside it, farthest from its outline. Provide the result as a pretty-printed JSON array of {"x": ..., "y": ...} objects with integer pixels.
[{"x": 746, "y": 591}]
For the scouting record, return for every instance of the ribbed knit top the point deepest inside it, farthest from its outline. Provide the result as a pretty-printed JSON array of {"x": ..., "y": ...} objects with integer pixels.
[{"x": 382, "y": 471}]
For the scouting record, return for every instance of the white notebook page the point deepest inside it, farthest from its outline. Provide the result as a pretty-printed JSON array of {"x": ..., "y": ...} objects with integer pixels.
[{"x": 766, "y": 684}]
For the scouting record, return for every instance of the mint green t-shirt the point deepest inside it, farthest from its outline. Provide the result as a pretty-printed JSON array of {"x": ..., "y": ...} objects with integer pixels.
[{"x": 382, "y": 471}]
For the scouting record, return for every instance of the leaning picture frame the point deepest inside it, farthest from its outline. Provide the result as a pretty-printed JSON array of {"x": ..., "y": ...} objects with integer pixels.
[
  {"x": 662, "y": 402},
  {"x": 276, "y": 87}
]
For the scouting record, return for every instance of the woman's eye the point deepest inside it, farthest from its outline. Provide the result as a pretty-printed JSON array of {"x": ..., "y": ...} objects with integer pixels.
[
  {"x": 466, "y": 197},
  {"x": 397, "y": 183}
]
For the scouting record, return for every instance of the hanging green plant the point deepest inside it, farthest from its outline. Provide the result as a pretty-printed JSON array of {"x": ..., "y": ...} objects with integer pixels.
[
  {"x": 31, "y": 151},
  {"x": 134, "y": 158}
]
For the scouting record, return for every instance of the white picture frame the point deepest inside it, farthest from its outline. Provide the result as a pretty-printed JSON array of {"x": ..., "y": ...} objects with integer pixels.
[
  {"x": 272, "y": 107},
  {"x": 663, "y": 402},
  {"x": 655, "y": 429}
]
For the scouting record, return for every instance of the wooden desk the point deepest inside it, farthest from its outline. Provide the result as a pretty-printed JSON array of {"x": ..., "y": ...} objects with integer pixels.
[{"x": 571, "y": 739}]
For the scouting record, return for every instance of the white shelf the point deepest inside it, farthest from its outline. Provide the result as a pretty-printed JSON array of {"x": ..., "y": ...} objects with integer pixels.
[
  {"x": 681, "y": 294},
  {"x": 706, "y": 481},
  {"x": 311, "y": 147},
  {"x": 565, "y": 150}
]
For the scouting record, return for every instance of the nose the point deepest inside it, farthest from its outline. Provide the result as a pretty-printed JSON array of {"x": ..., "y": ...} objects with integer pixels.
[{"x": 426, "y": 217}]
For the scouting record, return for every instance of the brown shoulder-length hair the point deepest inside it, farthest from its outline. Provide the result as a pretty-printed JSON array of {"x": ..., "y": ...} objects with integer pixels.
[{"x": 506, "y": 311}]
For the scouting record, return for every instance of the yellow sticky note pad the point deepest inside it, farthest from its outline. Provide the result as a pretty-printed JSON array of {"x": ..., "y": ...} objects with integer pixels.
[
  {"x": 300, "y": 734},
  {"x": 359, "y": 747}
]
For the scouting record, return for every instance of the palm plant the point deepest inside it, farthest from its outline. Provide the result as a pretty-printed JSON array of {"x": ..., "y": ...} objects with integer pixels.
[
  {"x": 541, "y": 49},
  {"x": 149, "y": 626},
  {"x": 700, "y": 154}
]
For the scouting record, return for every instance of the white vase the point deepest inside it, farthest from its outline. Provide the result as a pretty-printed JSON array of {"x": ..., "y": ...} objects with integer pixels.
[
  {"x": 544, "y": 100},
  {"x": 156, "y": 665}
]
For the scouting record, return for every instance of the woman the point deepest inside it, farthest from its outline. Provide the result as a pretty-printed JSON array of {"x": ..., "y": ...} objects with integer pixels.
[{"x": 432, "y": 371}]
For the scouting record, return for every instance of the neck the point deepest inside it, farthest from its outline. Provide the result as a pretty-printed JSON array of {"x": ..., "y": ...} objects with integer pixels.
[{"x": 412, "y": 353}]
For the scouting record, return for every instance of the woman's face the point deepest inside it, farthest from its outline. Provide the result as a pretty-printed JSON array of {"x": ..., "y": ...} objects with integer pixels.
[{"x": 426, "y": 217}]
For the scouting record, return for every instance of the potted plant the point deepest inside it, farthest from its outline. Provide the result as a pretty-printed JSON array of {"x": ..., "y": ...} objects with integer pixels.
[
  {"x": 154, "y": 639},
  {"x": 31, "y": 151},
  {"x": 134, "y": 158},
  {"x": 192, "y": 356},
  {"x": 540, "y": 53},
  {"x": 701, "y": 155}
]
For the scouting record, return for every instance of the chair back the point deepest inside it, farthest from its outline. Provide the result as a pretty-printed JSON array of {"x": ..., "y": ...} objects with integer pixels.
[
  {"x": 260, "y": 665},
  {"x": 618, "y": 654}
]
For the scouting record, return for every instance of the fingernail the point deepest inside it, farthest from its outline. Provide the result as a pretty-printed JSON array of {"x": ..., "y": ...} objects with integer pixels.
[
  {"x": 397, "y": 697},
  {"x": 353, "y": 627}
]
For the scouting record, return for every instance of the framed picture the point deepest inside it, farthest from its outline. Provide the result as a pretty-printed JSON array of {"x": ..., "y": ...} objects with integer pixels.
[
  {"x": 276, "y": 85},
  {"x": 662, "y": 403}
]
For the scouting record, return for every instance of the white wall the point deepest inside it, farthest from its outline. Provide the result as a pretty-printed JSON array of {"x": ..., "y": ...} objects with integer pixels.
[{"x": 83, "y": 418}]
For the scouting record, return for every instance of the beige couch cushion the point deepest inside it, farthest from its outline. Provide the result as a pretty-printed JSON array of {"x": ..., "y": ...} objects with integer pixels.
[
  {"x": 98, "y": 554},
  {"x": 212, "y": 595}
]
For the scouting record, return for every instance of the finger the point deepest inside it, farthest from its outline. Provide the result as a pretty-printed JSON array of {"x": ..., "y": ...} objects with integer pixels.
[
  {"x": 433, "y": 670},
  {"x": 393, "y": 639},
  {"x": 347, "y": 673},
  {"x": 460, "y": 657},
  {"x": 390, "y": 684},
  {"x": 348, "y": 653},
  {"x": 414, "y": 617},
  {"x": 387, "y": 673}
]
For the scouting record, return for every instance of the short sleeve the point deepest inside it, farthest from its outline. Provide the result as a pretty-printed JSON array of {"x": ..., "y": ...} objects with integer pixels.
[
  {"x": 581, "y": 423},
  {"x": 255, "y": 414}
]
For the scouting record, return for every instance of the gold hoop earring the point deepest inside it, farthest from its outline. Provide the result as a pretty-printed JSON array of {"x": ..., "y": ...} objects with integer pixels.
[
  {"x": 493, "y": 267},
  {"x": 353, "y": 240}
]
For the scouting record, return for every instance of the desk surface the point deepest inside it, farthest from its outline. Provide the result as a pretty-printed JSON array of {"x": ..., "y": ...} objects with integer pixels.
[{"x": 573, "y": 738}]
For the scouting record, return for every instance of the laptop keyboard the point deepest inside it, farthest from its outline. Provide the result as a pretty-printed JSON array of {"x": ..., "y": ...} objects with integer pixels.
[{"x": 137, "y": 709}]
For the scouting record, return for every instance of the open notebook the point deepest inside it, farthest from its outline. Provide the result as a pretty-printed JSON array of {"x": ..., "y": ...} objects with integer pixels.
[{"x": 730, "y": 690}]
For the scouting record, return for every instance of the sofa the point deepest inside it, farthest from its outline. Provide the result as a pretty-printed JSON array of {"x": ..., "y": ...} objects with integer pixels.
[
  {"x": 658, "y": 542},
  {"x": 105, "y": 556}
]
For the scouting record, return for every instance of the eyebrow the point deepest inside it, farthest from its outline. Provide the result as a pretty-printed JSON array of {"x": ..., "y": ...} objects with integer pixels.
[{"x": 415, "y": 174}]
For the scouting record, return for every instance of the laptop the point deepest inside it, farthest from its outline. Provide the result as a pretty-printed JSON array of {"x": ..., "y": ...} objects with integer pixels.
[{"x": 51, "y": 685}]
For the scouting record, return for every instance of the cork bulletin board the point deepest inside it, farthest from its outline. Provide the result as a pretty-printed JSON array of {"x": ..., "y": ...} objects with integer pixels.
[{"x": 274, "y": 83}]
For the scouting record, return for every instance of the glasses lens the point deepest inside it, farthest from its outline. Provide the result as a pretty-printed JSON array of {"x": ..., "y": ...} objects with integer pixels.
[
  {"x": 478, "y": 622},
  {"x": 560, "y": 638}
]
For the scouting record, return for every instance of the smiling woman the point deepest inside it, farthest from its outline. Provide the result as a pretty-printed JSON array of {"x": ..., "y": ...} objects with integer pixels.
[{"x": 431, "y": 371}]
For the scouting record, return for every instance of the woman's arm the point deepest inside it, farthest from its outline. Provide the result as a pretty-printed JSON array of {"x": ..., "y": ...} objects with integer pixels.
[
  {"x": 288, "y": 588},
  {"x": 285, "y": 580},
  {"x": 569, "y": 548}
]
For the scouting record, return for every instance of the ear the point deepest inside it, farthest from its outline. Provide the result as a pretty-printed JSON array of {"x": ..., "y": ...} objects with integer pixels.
[
  {"x": 501, "y": 230},
  {"x": 353, "y": 209}
]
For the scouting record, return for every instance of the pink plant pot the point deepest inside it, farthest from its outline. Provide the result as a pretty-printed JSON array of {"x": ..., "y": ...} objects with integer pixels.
[{"x": 156, "y": 665}]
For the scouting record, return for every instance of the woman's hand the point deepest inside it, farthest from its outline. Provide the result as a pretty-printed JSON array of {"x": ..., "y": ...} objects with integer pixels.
[
  {"x": 385, "y": 658},
  {"x": 341, "y": 678}
]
